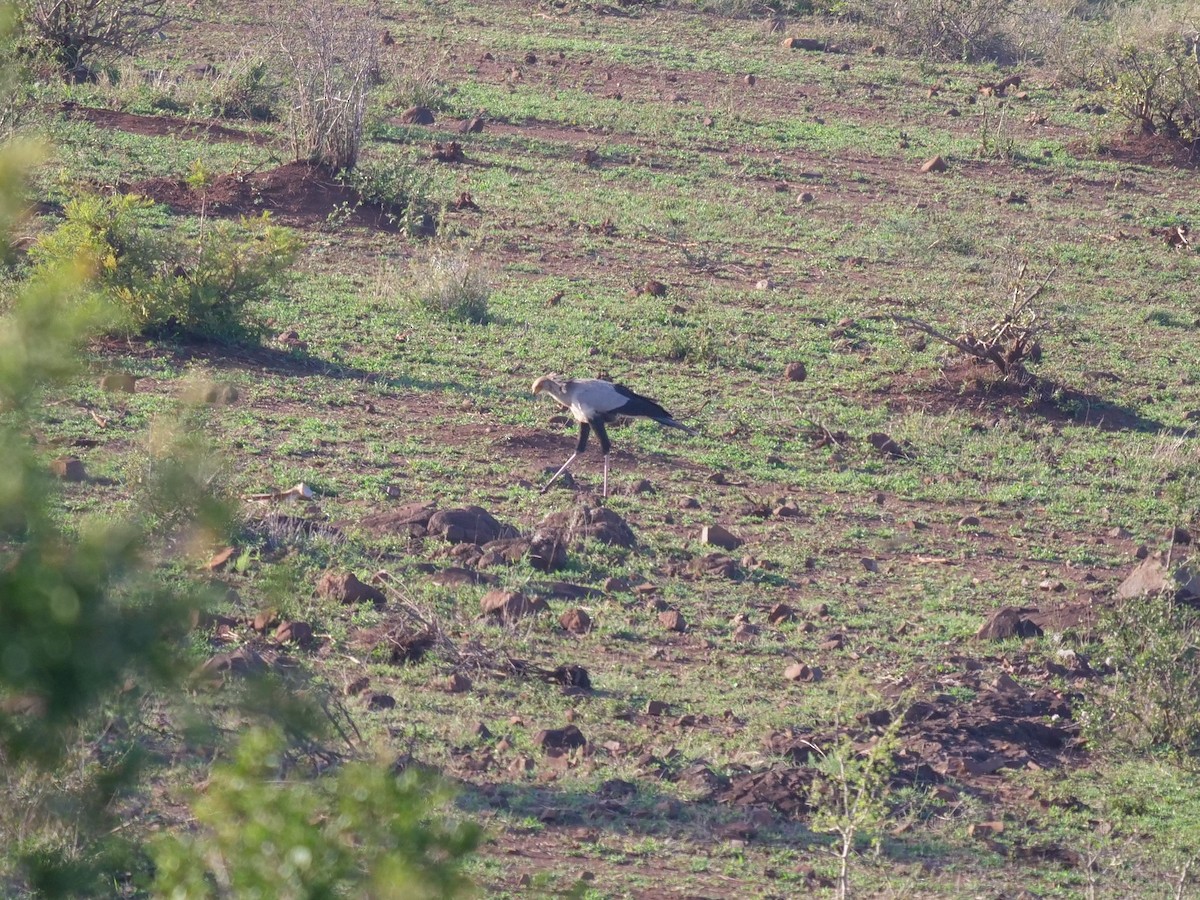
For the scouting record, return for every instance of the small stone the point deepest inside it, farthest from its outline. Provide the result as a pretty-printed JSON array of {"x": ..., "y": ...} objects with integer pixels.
[
  {"x": 576, "y": 621},
  {"x": 118, "y": 383},
  {"x": 263, "y": 620},
  {"x": 346, "y": 588},
  {"x": 718, "y": 536},
  {"x": 300, "y": 633},
  {"x": 456, "y": 684},
  {"x": 802, "y": 672},
  {"x": 612, "y": 585},
  {"x": 672, "y": 620},
  {"x": 869, "y": 564},
  {"x": 968, "y": 522},
  {"x": 656, "y": 708},
  {"x": 934, "y": 164},
  {"x": 795, "y": 371},
  {"x": 68, "y": 468},
  {"x": 763, "y": 284},
  {"x": 358, "y": 686},
  {"x": 806, "y": 197},
  {"x": 781, "y": 612},
  {"x": 749, "y": 80},
  {"x": 417, "y": 115},
  {"x": 381, "y": 701},
  {"x": 481, "y": 732},
  {"x": 508, "y": 606},
  {"x": 689, "y": 503}
]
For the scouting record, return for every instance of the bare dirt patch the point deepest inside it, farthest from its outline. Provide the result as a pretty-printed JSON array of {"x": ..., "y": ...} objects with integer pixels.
[
  {"x": 297, "y": 193},
  {"x": 160, "y": 126}
]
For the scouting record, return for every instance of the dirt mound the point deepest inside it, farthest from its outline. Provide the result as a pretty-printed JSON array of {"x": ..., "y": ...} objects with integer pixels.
[
  {"x": 297, "y": 193},
  {"x": 940, "y": 739},
  {"x": 159, "y": 126}
]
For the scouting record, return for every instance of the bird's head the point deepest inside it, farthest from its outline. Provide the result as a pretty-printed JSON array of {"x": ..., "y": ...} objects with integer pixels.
[{"x": 545, "y": 383}]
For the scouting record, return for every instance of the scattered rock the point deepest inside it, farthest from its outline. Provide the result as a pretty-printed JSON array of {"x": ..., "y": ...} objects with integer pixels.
[
  {"x": 657, "y": 708},
  {"x": 1008, "y": 622},
  {"x": 469, "y": 525},
  {"x": 576, "y": 621},
  {"x": 1154, "y": 576},
  {"x": 1178, "y": 535},
  {"x": 567, "y": 738},
  {"x": 417, "y": 115},
  {"x": 780, "y": 613},
  {"x": 242, "y": 661},
  {"x": 509, "y": 606},
  {"x": 346, "y": 588},
  {"x": 718, "y": 536},
  {"x": 300, "y": 633},
  {"x": 805, "y": 197},
  {"x": 68, "y": 468},
  {"x": 357, "y": 686},
  {"x": 969, "y": 522},
  {"x": 652, "y": 287},
  {"x": 472, "y": 126},
  {"x": 887, "y": 446},
  {"x": 264, "y": 620},
  {"x": 869, "y": 564},
  {"x": 934, "y": 164},
  {"x": 799, "y": 43},
  {"x": 409, "y": 519},
  {"x": 596, "y": 523},
  {"x": 381, "y": 702},
  {"x": 456, "y": 684},
  {"x": 795, "y": 371},
  {"x": 672, "y": 620},
  {"x": 118, "y": 383}
]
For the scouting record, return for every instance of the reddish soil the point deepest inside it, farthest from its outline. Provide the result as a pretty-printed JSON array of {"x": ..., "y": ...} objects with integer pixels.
[
  {"x": 160, "y": 126},
  {"x": 297, "y": 193}
]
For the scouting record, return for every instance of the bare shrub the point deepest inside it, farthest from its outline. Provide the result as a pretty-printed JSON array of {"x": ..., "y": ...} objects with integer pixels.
[
  {"x": 1153, "y": 68},
  {"x": 333, "y": 55},
  {"x": 81, "y": 33},
  {"x": 940, "y": 29},
  {"x": 451, "y": 285},
  {"x": 1009, "y": 343}
]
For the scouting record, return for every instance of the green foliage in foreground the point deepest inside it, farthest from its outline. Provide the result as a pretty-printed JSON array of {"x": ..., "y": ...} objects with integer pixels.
[
  {"x": 1152, "y": 703},
  {"x": 159, "y": 285},
  {"x": 363, "y": 831}
]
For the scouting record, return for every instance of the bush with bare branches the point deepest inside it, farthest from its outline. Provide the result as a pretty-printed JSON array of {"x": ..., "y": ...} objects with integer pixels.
[
  {"x": 81, "y": 33},
  {"x": 1010, "y": 342},
  {"x": 333, "y": 56}
]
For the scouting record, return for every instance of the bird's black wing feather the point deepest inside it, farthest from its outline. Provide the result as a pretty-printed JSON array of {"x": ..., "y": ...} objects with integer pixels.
[{"x": 637, "y": 405}]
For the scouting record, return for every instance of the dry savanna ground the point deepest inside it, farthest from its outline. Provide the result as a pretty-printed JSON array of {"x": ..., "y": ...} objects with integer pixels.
[{"x": 635, "y": 695}]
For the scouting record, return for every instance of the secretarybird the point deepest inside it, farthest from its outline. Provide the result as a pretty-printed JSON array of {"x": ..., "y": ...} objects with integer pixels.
[{"x": 594, "y": 402}]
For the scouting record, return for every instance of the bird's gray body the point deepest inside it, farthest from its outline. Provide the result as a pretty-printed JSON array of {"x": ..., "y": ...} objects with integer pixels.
[{"x": 593, "y": 403}]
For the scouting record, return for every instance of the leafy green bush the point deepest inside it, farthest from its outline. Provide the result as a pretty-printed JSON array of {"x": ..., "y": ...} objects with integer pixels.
[
  {"x": 160, "y": 286},
  {"x": 1152, "y": 701},
  {"x": 451, "y": 286},
  {"x": 249, "y": 89},
  {"x": 363, "y": 831},
  {"x": 399, "y": 186}
]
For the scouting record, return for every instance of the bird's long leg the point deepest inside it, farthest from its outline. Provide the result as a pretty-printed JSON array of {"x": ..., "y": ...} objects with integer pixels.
[
  {"x": 579, "y": 448},
  {"x": 570, "y": 459},
  {"x": 605, "y": 446}
]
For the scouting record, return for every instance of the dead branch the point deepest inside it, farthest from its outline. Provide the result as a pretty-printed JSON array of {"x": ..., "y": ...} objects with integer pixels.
[{"x": 1009, "y": 343}]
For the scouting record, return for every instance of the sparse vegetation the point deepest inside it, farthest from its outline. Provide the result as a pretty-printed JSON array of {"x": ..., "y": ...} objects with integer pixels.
[
  {"x": 451, "y": 285},
  {"x": 332, "y": 53},
  {"x": 83, "y": 34},
  {"x": 673, "y": 199},
  {"x": 1151, "y": 702}
]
